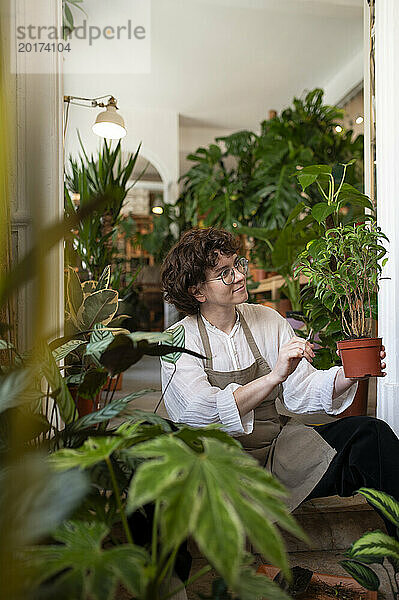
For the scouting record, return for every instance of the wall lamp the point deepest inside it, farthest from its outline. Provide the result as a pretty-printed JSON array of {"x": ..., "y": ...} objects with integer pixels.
[{"x": 109, "y": 124}]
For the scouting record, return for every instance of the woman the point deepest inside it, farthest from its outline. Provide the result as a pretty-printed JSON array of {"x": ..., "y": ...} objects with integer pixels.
[{"x": 252, "y": 359}]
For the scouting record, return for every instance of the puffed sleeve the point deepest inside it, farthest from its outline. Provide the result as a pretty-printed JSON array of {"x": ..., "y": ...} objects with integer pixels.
[
  {"x": 308, "y": 389},
  {"x": 190, "y": 398}
]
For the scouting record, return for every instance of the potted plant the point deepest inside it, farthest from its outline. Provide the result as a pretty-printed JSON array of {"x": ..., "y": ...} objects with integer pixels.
[
  {"x": 109, "y": 175},
  {"x": 246, "y": 177},
  {"x": 284, "y": 245},
  {"x": 344, "y": 266},
  {"x": 90, "y": 310},
  {"x": 376, "y": 547}
]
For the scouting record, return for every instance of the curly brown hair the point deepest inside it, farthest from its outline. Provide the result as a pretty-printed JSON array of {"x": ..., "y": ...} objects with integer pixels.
[{"x": 186, "y": 263}]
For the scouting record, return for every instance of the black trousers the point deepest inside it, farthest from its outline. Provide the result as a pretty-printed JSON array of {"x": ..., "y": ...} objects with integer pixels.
[{"x": 367, "y": 456}]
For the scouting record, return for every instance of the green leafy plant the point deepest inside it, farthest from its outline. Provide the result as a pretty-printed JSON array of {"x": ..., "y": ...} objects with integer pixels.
[
  {"x": 285, "y": 244},
  {"x": 90, "y": 307},
  {"x": 344, "y": 265},
  {"x": 68, "y": 21},
  {"x": 181, "y": 475},
  {"x": 160, "y": 240},
  {"x": 105, "y": 175},
  {"x": 68, "y": 484},
  {"x": 376, "y": 547},
  {"x": 246, "y": 178}
]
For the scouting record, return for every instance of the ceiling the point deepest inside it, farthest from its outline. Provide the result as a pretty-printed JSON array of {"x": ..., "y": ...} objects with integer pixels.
[{"x": 225, "y": 63}]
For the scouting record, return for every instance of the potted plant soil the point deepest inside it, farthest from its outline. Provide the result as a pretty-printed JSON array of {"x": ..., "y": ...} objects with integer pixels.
[
  {"x": 344, "y": 266},
  {"x": 307, "y": 585}
]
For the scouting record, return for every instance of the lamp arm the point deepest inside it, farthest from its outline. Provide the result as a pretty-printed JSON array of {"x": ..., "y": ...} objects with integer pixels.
[{"x": 94, "y": 103}]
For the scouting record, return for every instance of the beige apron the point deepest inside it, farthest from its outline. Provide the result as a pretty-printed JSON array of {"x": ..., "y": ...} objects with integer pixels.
[{"x": 295, "y": 453}]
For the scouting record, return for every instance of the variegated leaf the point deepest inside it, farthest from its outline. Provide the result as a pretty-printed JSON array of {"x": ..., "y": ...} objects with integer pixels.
[
  {"x": 152, "y": 337},
  {"x": 385, "y": 503},
  {"x": 110, "y": 411},
  {"x": 99, "y": 307},
  {"x": 100, "y": 339},
  {"x": 88, "y": 287},
  {"x": 65, "y": 349},
  {"x": 4, "y": 345},
  {"x": 373, "y": 546},
  {"x": 178, "y": 339},
  {"x": 362, "y": 573},
  {"x": 103, "y": 282}
]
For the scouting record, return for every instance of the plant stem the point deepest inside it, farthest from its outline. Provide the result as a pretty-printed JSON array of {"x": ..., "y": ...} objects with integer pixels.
[
  {"x": 394, "y": 595},
  {"x": 155, "y": 534},
  {"x": 168, "y": 565},
  {"x": 119, "y": 502},
  {"x": 189, "y": 581}
]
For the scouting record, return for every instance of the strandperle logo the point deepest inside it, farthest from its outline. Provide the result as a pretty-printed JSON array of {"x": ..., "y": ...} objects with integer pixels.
[
  {"x": 43, "y": 33},
  {"x": 109, "y": 37}
]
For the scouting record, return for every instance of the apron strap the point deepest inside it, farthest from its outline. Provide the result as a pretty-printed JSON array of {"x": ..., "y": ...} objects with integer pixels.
[
  {"x": 250, "y": 339},
  {"x": 248, "y": 335}
]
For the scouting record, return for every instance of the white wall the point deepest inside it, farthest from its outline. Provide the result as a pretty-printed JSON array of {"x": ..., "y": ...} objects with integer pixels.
[
  {"x": 158, "y": 130},
  {"x": 37, "y": 174},
  {"x": 192, "y": 137}
]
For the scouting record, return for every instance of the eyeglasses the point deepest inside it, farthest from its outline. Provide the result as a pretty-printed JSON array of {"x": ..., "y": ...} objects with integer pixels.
[{"x": 228, "y": 274}]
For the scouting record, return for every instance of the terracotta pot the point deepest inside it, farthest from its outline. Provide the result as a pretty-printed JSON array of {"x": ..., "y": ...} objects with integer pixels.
[
  {"x": 283, "y": 306},
  {"x": 83, "y": 405},
  {"x": 358, "y": 407},
  {"x": 332, "y": 580},
  {"x": 118, "y": 384},
  {"x": 361, "y": 357},
  {"x": 258, "y": 274}
]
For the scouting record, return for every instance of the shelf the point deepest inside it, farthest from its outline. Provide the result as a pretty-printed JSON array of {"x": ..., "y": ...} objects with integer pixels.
[{"x": 273, "y": 285}]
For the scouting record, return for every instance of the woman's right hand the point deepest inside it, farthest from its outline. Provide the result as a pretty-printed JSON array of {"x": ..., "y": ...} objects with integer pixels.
[{"x": 290, "y": 356}]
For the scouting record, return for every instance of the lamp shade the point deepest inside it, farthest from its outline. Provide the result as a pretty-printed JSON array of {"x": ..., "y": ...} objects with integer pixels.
[{"x": 109, "y": 124}]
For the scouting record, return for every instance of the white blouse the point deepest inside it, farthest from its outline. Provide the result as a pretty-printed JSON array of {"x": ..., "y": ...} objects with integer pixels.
[{"x": 190, "y": 398}]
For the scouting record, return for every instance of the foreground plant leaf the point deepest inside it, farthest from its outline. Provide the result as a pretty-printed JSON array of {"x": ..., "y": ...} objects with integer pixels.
[
  {"x": 374, "y": 546},
  {"x": 216, "y": 495},
  {"x": 110, "y": 411},
  {"x": 60, "y": 391},
  {"x": 362, "y": 573},
  {"x": 126, "y": 350},
  {"x": 35, "y": 499},
  {"x": 385, "y": 503},
  {"x": 93, "y": 571},
  {"x": 17, "y": 388},
  {"x": 100, "y": 448}
]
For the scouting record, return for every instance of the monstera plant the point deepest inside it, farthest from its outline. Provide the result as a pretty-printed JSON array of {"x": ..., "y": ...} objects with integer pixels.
[{"x": 246, "y": 177}]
